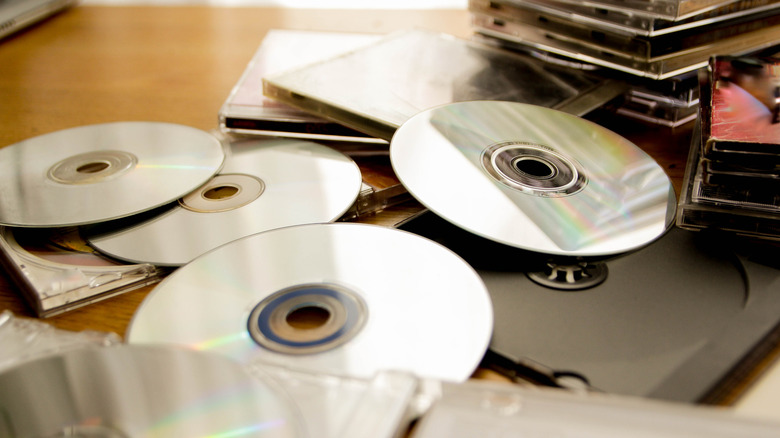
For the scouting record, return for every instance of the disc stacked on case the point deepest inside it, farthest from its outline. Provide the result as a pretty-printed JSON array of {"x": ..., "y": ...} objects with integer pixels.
[
  {"x": 264, "y": 184},
  {"x": 96, "y": 173},
  {"x": 733, "y": 172},
  {"x": 87, "y": 175},
  {"x": 534, "y": 178},
  {"x": 570, "y": 228}
]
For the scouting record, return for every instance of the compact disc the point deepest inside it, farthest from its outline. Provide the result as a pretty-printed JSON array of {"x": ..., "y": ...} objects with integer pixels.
[
  {"x": 132, "y": 391},
  {"x": 533, "y": 178},
  {"x": 100, "y": 172},
  {"x": 264, "y": 184},
  {"x": 343, "y": 298}
]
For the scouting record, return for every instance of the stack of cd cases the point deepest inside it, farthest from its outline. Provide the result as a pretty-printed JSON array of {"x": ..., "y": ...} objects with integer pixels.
[
  {"x": 733, "y": 172},
  {"x": 657, "y": 45}
]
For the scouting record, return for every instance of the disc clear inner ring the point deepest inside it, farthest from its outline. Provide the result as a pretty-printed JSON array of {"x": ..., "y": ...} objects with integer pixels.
[
  {"x": 92, "y": 167},
  {"x": 533, "y": 169},
  {"x": 271, "y": 323},
  {"x": 224, "y": 192}
]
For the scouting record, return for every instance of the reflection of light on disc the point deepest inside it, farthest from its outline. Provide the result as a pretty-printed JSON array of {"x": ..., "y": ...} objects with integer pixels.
[
  {"x": 264, "y": 184},
  {"x": 308, "y": 297},
  {"x": 131, "y": 391},
  {"x": 100, "y": 172},
  {"x": 533, "y": 178}
]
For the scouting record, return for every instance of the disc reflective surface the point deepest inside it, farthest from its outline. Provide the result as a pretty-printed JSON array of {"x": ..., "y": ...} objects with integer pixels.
[
  {"x": 100, "y": 172},
  {"x": 264, "y": 184},
  {"x": 412, "y": 305},
  {"x": 134, "y": 391},
  {"x": 533, "y": 178}
]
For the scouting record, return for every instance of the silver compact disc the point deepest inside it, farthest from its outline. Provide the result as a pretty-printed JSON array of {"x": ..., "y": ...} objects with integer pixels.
[
  {"x": 344, "y": 299},
  {"x": 533, "y": 178},
  {"x": 264, "y": 184},
  {"x": 101, "y": 172},
  {"x": 134, "y": 391}
]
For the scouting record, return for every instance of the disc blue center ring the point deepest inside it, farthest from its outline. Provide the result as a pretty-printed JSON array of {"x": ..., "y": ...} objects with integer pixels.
[{"x": 270, "y": 323}]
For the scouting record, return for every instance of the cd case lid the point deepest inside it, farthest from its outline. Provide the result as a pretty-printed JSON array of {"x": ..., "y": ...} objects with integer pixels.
[
  {"x": 247, "y": 111},
  {"x": 376, "y": 88},
  {"x": 484, "y": 408}
]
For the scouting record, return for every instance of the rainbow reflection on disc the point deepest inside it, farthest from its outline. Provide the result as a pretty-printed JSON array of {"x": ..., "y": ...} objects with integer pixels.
[
  {"x": 95, "y": 173},
  {"x": 533, "y": 178},
  {"x": 412, "y": 305}
]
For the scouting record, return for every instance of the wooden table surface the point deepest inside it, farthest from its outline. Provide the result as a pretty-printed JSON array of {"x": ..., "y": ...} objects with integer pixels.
[{"x": 96, "y": 64}]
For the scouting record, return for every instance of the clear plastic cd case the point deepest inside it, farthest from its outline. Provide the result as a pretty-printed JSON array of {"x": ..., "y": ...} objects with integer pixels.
[
  {"x": 733, "y": 172},
  {"x": 248, "y": 111},
  {"x": 670, "y": 102},
  {"x": 627, "y": 21},
  {"x": 750, "y": 208},
  {"x": 615, "y": 40},
  {"x": 495, "y": 409},
  {"x": 675, "y": 56},
  {"x": 56, "y": 270},
  {"x": 376, "y": 88},
  {"x": 666, "y": 9},
  {"x": 657, "y": 109},
  {"x": 333, "y": 406},
  {"x": 25, "y": 339}
]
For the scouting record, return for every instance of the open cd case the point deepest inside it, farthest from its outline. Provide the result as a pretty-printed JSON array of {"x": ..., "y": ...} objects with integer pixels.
[
  {"x": 375, "y": 88},
  {"x": 56, "y": 270},
  {"x": 681, "y": 319}
]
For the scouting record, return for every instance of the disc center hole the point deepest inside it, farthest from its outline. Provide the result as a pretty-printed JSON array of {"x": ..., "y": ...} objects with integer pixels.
[
  {"x": 220, "y": 192},
  {"x": 308, "y": 317},
  {"x": 535, "y": 167},
  {"x": 93, "y": 167}
]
